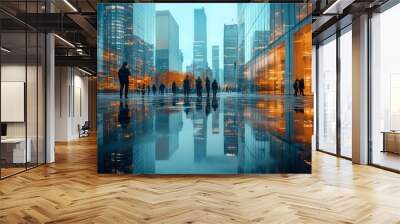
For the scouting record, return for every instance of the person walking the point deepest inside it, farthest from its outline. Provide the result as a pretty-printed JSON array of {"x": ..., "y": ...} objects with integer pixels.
[
  {"x": 161, "y": 88},
  {"x": 154, "y": 88},
  {"x": 123, "y": 76},
  {"x": 296, "y": 87},
  {"x": 148, "y": 90},
  {"x": 301, "y": 87},
  {"x": 143, "y": 89},
  {"x": 186, "y": 86},
  {"x": 174, "y": 88},
  {"x": 199, "y": 87},
  {"x": 208, "y": 87},
  {"x": 214, "y": 87}
]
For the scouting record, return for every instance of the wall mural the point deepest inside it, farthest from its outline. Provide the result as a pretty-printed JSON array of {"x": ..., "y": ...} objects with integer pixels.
[{"x": 204, "y": 88}]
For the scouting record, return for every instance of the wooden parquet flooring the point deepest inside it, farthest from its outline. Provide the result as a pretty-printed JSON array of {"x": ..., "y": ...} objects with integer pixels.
[{"x": 71, "y": 191}]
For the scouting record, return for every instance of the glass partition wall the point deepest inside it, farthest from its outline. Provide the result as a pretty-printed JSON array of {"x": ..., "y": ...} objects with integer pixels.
[
  {"x": 22, "y": 88},
  {"x": 334, "y": 93},
  {"x": 385, "y": 89}
]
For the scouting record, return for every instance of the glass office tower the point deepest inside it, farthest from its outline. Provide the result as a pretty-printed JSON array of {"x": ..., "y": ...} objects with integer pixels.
[
  {"x": 274, "y": 47},
  {"x": 168, "y": 55},
  {"x": 215, "y": 62},
  {"x": 127, "y": 34},
  {"x": 230, "y": 56},
  {"x": 200, "y": 43}
]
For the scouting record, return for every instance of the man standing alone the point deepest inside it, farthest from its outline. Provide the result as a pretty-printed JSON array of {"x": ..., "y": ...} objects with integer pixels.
[{"x": 123, "y": 75}]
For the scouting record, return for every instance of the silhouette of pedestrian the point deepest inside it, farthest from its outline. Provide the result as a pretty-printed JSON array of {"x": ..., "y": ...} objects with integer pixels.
[
  {"x": 301, "y": 87},
  {"x": 123, "y": 76},
  {"x": 208, "y": 86},
  {"x": 162, "y": 88},
  {"x": 143, "y": 89},
  {"x": 186, "y": 86},
  {"x": 199, "y": 87},
  {"x": 148, "y": 89},
  {"x": 154, "y": 89},
  {"x": 214, "y": 87},
  {"x": 296, "y": 87},
  {"x": 174, "y": 87}
]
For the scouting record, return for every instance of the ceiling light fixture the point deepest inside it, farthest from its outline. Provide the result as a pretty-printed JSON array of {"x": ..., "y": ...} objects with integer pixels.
[
  {"x": 337, "y": 7},
  {"x": 70, "y": 5},
  {"x": 84, "y": 71},
  {"x": 5, "y": 50},
  {"x": 64, "y": 40}
]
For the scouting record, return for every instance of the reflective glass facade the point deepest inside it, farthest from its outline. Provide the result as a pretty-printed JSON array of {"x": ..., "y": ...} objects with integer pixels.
[
  {"x": 274, "y": 47},
  {"x": 200, "y": 43},
  {"x": 127, "y": 33}
]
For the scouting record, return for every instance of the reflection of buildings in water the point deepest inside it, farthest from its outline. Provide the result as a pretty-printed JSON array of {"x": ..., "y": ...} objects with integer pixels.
[
  {"x": 303, "y": 122},
  {"x": 116, "y": 148},
  {"x": 215, "y": 116},
  {"x": 144, "y": 138},
  {"x": 231, "y": 127},
  {"x": 251, "y": 133},
  {"x": 199, "y": 131},
  {"x": 269, "y": 114},
  {"x": 168, "y": 124}
]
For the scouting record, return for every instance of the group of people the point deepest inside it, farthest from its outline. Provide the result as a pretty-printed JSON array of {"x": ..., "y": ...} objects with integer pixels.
[
  {"x": 199, "y": 87},
  {"x": 124, "y": 73},
  {"x": 298, "y": 87}
]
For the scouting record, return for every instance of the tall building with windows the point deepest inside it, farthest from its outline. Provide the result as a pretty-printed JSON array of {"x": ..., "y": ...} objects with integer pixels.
[
  {"x": 168, "y": 55},
  {"x": 126, "y": 36},
  {"x": 200, "y": 42},
  {"x": 215, "y": 62},
  {"x": 180, "y": 61},
  {"x": 230, "y": 55}
]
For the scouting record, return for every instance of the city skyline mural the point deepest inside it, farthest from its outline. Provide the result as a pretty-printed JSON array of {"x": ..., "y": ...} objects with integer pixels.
[{"x": 204, "y": 88}]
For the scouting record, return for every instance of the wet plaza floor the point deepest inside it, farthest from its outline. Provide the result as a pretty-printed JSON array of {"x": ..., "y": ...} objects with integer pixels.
[{"x": 229, "y": 134}]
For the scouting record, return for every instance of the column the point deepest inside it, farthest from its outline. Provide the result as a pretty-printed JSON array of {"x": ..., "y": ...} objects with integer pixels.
[{"x": 360, "y": 90}]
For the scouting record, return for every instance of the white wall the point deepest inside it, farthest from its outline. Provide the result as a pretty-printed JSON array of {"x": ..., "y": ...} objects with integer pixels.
[{"x": 71, "y": 102}]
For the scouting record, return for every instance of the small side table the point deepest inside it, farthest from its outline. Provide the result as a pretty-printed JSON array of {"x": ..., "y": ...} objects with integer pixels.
[{"x": 391, "y": 141}]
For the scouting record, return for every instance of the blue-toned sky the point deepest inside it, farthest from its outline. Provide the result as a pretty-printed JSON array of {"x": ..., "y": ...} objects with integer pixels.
[{"x": 217, "y": 14}]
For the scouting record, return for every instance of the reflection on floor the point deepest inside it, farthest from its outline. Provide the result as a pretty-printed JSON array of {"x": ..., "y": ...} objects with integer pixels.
[
  {"x": 387, "y": 159},
  {"x": 10, "y": 171},
  {"x": 228, "y": 134}
]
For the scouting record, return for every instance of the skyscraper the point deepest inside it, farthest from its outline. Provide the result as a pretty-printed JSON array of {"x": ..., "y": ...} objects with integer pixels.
[
  {"x": 215, "y": 62},
  {"x": 230, "y": 55},
  {"x": 180, "y": 61},
  {"x": 122, "y": 40},
  {"x": 200, "y": 42},
  {"x": 167, "y": 43}
]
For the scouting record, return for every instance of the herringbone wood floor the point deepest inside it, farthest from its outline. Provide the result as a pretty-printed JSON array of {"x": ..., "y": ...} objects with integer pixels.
[{"x": 70, "y": 191}]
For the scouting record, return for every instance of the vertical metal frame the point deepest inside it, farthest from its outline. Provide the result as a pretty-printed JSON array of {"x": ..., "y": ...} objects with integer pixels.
[
  {"x": 1, "y": 65},
  {"x": 316, "y": 97},
  {"x": 338, "y": 75},
  {"x": 369, "y": 100}
]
